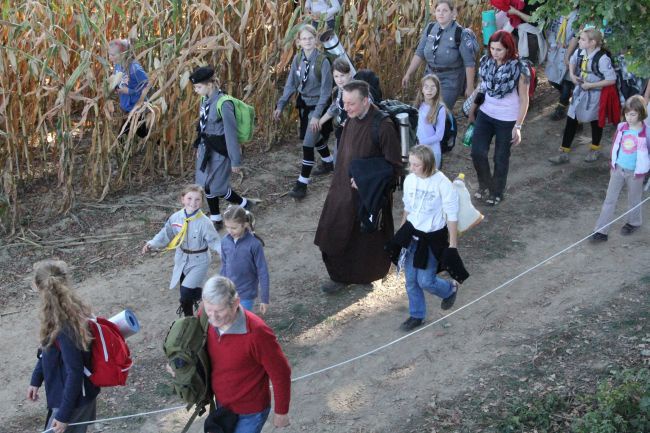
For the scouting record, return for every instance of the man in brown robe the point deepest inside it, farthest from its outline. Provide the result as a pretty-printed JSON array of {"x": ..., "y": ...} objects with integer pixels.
[{"x": 350, "y": 255}]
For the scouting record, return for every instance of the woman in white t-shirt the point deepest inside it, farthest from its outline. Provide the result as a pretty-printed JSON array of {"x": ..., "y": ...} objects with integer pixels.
[{"x": 428, "y": 196}]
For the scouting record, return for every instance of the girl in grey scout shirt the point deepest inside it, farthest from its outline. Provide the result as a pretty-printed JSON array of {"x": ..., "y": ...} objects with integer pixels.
[
  {"x": 586, "y": 94},
  {"x": 218, "y": 152},
  {"x": 192, "y": 235},
  {"x": 311, "y": 77},
  {"x": 450, "y": 57}
]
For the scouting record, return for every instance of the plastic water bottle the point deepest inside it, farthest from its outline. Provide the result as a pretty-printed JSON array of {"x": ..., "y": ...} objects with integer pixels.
[
  {"x": 467, "y": 138},
  {"x": 468, "y": 216}
]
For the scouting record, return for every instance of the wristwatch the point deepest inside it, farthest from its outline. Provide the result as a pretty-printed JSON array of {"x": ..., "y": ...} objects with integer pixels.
[{"x": 518, "y": 126}]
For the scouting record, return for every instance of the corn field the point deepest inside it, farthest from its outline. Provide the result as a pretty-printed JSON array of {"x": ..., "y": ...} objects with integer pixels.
[{"x": 59, "y": 120}]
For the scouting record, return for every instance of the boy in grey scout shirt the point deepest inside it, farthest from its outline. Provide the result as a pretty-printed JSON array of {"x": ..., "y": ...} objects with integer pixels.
[
  {"x": 218, "y": 152},
  {"x": 311, "y": 77},
  {"x": 192, "y": 235},
  {"x": 453, "y": 62}
]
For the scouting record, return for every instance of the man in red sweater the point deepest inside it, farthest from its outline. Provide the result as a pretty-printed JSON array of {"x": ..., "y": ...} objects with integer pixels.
[{"x": 244, "y": 355}]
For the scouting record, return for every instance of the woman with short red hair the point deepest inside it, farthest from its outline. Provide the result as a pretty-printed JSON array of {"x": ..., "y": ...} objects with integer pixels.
[{"x": 498, "y": 111}]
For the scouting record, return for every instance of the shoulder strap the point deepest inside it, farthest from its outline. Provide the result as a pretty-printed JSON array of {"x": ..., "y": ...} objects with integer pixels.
[
  {"x": 458, "y": 35},
  {"x": 595, "y": 68},
  {"x": 320, "y": 58},
  {"x": 377, "y": 118},
  {"x": 203, "y": 321},
  {"x": 429, "y": 28},
  {"x": 219, "y": 104}
]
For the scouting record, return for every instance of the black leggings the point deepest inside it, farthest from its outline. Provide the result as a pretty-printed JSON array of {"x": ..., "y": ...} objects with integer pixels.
[{"x": 570, "y": 133}]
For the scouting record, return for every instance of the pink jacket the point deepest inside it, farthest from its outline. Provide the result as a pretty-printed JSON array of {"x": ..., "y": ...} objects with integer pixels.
[{"x": 642, "y": 157}]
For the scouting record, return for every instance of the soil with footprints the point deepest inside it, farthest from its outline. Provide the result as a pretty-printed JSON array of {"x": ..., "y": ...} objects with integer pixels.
[{"x": 546, "y": 208}]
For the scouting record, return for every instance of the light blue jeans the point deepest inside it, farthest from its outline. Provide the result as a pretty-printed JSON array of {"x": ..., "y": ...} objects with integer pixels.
[
  {"x": 419, "y": 280},
  {"x": 252, "y": 422},
  {"x": 247, "y": 304}
]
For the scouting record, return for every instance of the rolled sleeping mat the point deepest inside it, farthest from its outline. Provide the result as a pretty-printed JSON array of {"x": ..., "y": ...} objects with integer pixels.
[
  {"x": 332, "y": 45},
  {"x": 489, "y": 24},
  {"x": 127, "y": 322}
]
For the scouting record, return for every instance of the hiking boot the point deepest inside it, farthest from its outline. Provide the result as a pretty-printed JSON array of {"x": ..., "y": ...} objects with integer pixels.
[
  {"x": 448, "y": 302},
  {"x": 411, "y": 323},
  {"x": 562, "y": 158},
  {"x": 330, "y": 287},
  {"x": 218, "y": 225},
  {"x": 323, "y": 168},
  {"x": 598, "y": 237},
  {"x": 559, "y": 113},
  {"x": 628, "y": 229},
  {"x": 593, "y": 156},
  {"x": 299, "y": 191}
]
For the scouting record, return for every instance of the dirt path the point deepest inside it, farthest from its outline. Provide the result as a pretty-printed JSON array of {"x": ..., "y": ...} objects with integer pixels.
[{"x": 546, "y": 208}]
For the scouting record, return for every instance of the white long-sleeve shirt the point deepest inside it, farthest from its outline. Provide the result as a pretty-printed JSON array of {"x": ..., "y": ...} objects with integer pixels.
[
  {"x": 330, "y": 7},
  {"x": 428, "y": 200},
  {"x": 431, "y": 134}
]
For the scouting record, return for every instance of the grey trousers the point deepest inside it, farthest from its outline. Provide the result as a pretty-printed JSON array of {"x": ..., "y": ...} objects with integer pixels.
[
  {"x": 80, "y": 414},
  {"x": 621, "y": 177}
]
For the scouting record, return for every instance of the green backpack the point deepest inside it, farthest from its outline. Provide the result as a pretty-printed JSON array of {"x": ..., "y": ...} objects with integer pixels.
[
  {"x": 244, "y": 115},
  {"x": 187, "y": 354}
]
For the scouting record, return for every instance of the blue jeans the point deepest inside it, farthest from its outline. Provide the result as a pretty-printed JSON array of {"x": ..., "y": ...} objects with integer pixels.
[
  {"x": 419, "y": 280},
  {"x": 247, "y": 304},
  {"x": 252, "y": 422},
  {"x": 485, "y": 128}
]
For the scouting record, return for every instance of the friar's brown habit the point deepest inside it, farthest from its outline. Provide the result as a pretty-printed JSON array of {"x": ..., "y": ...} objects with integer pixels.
[{"x": 350, "y": 256}]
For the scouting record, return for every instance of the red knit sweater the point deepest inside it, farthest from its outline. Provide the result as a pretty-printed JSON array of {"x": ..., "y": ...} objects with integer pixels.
[{"x": 242, "y": 365}]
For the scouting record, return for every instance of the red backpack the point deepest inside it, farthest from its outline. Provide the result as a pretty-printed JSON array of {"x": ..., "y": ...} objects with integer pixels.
[{"x": 110, "y": 355}]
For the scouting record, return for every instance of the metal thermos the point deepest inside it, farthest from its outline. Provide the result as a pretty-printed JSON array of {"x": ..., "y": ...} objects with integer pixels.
[{"x": 404, "y": 134}]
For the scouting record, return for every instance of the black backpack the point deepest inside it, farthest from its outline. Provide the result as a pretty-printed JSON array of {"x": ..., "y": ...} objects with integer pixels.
[
  {"x": 451, "y": 131},
  {"x": 391, "y": 108},
  {"x": 372, "y": 79},
  {"x": 458, "y": 36}
]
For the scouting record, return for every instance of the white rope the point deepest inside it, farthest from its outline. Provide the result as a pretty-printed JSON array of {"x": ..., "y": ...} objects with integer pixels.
[
  {"x": 169, "y": 409},
  {"x": 363, "y": 355},
  {"x": 391, "y": 343}
]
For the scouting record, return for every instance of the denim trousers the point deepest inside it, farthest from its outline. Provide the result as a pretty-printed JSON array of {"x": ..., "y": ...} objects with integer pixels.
[
  {"x": 247, "y": 304},
  {"x": 485, "y": 128},
  {"x": 252, "y": 422},
  {"x": 419, "y": 280}
]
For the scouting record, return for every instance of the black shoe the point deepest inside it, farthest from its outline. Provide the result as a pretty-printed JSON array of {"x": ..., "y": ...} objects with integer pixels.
[
  {"x": 218, "y": 225},
  {"x": 448, "y": 302},
  {"x": 598, "y": 237},
  {"x": 250, "y": 205},
  {"x": 299, "y": 190},
  {"x": 330, "y": 287},
  {"x": 411, "y": 323},
  {"x": 323, "y": 168},
  {"x": 628, "y": 229},
  {"x": 493, "y": 200},
  {"x": 559, "y": 113}
]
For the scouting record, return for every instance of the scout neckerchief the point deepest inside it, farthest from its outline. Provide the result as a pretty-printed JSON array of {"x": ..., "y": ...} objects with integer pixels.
[
  {"x": 180, "y": 237},
  {"x": 583, "y": 66},
  {"x": 436, "y": 41},
  {"x": 561, "y": 33},
  {"x": 203, "y": 117},
  {"x": 305, "y": 73}
]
